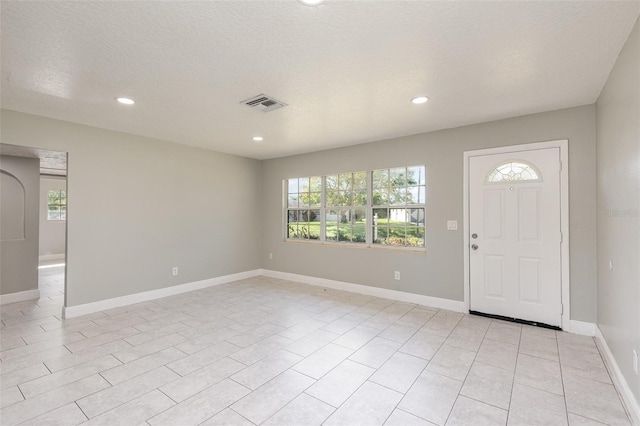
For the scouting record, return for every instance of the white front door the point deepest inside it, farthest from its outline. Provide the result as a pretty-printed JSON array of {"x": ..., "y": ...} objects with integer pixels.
[{"x": 514, "y": 235}]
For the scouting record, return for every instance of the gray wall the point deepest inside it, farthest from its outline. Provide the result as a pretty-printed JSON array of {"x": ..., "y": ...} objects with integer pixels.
[
  {"x": 52, "y": 232},
  {"x": 439, "y": 272},
  {"x": 138, "y": 206},
  {"x": 20, "y": 192},
  {"x": 206, "y": 207},
  {"x": 618, "y": 183}
]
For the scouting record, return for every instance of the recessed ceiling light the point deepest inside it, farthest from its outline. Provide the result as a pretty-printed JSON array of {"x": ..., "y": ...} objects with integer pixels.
[
  {"x": 419, "y": 100},
  {"x": 258, "y": 139},
  {"x": 311, "y": 2},
  {"x": 126, "y": 101}
]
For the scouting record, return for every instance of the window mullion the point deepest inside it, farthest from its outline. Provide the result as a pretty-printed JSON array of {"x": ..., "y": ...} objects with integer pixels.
[
  {"x": 369, "y": 211},
  {"x": 323, "y": 210},
  {"x": 407, "y": 217},
  {"x": 285, "y": 203}
]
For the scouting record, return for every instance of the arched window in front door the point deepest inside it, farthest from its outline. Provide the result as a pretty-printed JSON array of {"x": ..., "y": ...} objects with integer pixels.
[{"x": 514, "y": 171}]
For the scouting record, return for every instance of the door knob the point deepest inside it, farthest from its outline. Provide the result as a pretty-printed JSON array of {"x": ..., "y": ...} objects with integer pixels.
[{"x": 474, "y": 246}]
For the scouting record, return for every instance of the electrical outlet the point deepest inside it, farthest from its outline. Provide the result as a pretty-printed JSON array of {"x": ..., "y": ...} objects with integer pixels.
[
  {"x": 270, "y": 256},
  {"x": 635, "y": 361},
  {"x": 396, "y": 275},
  {"x": 174, "y": 271}
]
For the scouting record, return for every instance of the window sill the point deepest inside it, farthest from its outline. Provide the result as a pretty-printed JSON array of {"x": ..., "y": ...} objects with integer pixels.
[{"x": 358, "y": 246}]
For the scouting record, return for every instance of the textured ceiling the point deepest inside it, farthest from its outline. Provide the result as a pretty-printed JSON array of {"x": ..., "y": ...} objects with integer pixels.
[
  {"x": 51, "y": 162},
  {"x": 346, "y": 69}
]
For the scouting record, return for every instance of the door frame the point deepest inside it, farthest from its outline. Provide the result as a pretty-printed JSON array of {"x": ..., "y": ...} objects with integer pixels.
[{"x": 563, "y": 145}]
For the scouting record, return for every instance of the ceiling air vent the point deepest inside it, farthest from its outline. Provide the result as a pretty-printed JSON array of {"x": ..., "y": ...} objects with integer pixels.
[{"x": 264, "y": 103}]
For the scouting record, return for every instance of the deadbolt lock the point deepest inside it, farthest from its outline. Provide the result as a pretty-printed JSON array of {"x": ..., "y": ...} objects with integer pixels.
[{"x": 474, "y": 235}]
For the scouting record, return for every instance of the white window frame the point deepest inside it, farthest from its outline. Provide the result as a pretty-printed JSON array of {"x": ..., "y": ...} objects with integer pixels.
[
  {"x": 59, "y": 191},
  {"x": 326, "y": 209},
  {"x": 287, "y": 209},
  {"x": 368, "y": 215},
  {"x": 406, "y": 206}
]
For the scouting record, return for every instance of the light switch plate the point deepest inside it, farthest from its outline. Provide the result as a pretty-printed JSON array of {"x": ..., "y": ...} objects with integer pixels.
[{"x": 452, "y": 225}]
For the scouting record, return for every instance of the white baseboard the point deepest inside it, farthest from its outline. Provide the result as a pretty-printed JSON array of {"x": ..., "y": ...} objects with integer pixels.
[
  {"x": 580, "y": 327},
  {"x": 630, "y": 402},
  {"x": 48, "y": 257},
  {"x": 435, "y": 302},
  {"x": 577, "y": 327},
  {"x": 20, "y": 296},
  {"x": 116, "y": 302}
]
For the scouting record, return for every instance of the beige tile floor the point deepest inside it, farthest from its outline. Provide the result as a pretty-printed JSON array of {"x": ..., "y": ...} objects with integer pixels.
[{"x": 265, "y": 351}]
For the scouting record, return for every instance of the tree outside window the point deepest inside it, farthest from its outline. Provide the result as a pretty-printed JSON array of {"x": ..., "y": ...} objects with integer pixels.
[
  {"x": 398, "y": 206},
  {"x": 57, "y": 205}
]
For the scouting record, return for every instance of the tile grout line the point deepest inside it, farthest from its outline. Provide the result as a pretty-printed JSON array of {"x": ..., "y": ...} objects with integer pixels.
[
  {"x": 229, "y": 407},
  {"x": 468, "y": 371},
  {"x": 326, "y": 304},
  {"x": 564, "y": 391},
  {"x": 81, "y": 410},
  {"x": 165, "y": 394}
]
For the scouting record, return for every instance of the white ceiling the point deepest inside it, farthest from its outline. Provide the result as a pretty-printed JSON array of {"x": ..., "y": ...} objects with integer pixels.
[{"x": 346, "y": 69}]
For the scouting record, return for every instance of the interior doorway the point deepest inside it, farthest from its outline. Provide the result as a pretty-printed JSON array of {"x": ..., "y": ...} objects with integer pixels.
[{"x": 49, "y": 232}]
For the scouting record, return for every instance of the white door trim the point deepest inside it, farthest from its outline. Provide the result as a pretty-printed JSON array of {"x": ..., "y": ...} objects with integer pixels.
[{"x": 563, "y": 145}]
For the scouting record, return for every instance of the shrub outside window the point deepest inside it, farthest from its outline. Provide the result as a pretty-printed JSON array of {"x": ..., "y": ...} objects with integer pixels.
[{"x": 383, "y": 208}]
